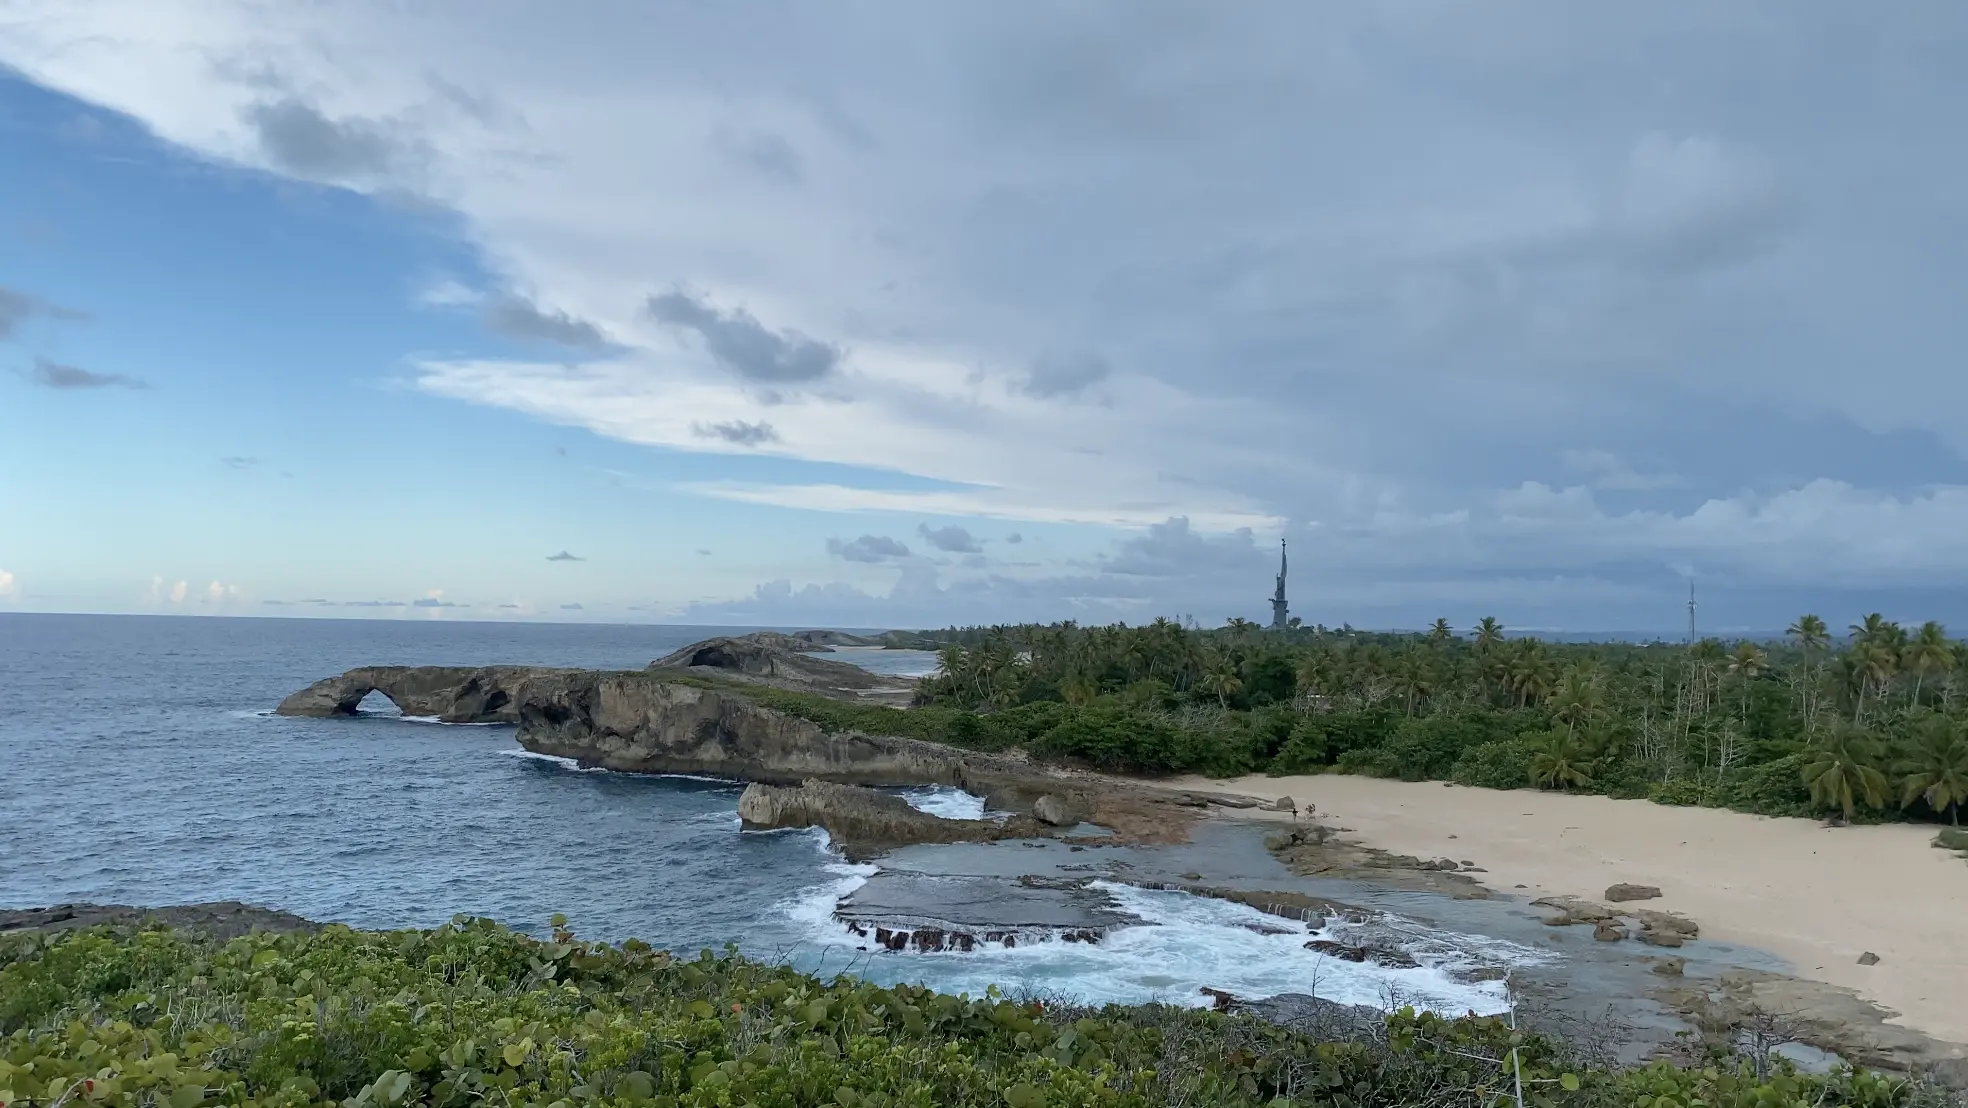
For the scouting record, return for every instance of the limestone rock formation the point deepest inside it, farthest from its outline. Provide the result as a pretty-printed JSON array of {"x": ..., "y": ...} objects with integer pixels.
[
  {"x": 454, "y": 694},
  {"x": 1060, "y": 811},
  {"x": 785, "y": 662},
  {"x": 1573, "y": 910},
  {"x": 226, "y": 919},
  {"x": 907, "y": 910},
  {"x": 826, "y": 639},
  {"x": 647, "y": 722},
  {"x": 862, "y": 820}
]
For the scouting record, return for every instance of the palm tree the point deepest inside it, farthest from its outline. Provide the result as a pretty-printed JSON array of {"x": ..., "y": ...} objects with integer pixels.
[
  {"x": 1929, "y": 652},
  {"x": 1810, "y": 633},
  {"x": 1935, "y": 768},
  {"x": 1559, "y": 761},
  {"x": 1871, "y": 629},
  {"x": 1842, "y": 771},
  {"x": 1488, "y": 632},
  {"x": 1746, "y": 663},
  {"x": 1439, "y": 632},
  {"x": 1580, "y": 698},
  {"x": 1220, "y": 677},
  {"x": 1532, "y": 673},
  {"x": 1812, "y": 637},
  {"x": 1872, "y": 663},
  {"x": 1078, "y": 688}
]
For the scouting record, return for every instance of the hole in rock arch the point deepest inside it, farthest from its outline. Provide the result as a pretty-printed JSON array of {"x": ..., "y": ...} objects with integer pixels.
[{"x": 376, "y": 704}]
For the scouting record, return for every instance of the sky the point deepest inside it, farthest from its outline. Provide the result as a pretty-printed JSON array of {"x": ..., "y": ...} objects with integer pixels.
[{"x": 908, "y": 315}]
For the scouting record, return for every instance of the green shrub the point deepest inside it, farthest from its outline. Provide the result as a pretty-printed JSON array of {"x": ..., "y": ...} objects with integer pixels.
[
  {"x": 1499, "y": 764},
  {"x": 1774, "y": 788},
  {"x": 1683, "y": 792},
  {"x": 472, "y": 1014}
]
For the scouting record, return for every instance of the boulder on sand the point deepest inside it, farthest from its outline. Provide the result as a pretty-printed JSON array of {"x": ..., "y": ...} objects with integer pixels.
[
  {"x": 1060, "y": 811},
  {"x": 1621, "y": 893}
]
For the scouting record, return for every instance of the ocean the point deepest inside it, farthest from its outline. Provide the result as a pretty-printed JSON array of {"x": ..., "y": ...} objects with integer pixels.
[{"x": 140, "y": 764}]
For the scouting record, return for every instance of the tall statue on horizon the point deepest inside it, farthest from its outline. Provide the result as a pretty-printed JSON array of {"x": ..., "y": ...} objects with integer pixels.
[{"x": 1280, "y": 611}]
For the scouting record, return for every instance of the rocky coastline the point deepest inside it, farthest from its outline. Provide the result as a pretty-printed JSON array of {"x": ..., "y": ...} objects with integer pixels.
[{"x": 689, "y": 713}]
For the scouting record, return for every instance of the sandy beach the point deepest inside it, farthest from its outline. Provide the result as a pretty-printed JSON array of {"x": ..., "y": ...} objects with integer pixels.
[{"x": 1818, "y": 897}]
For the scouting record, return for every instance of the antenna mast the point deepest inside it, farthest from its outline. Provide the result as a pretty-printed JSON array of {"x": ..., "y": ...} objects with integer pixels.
[{"x": 1691, "y": 611}]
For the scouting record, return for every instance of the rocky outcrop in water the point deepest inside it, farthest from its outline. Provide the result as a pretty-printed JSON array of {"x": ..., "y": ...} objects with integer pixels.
[
  {"x": 862, "y": 821},
  {"x": 937, "y": 912},
  {"x": 454, "y": 694},
  {"x": 224, "y": 919},
  {"x": 650, "y": 722}
]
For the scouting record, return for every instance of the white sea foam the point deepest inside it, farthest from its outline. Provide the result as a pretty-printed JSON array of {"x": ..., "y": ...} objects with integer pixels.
[
  {"x": 552, "y": 759},
  {"x": 813, "y": 907},
  {"x": 948, "y": 803},
  {"x": 1184, "y": 944}
]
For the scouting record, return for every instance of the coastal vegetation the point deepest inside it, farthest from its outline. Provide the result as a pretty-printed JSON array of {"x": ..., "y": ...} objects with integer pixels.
[
  {"x": 470, "y": 1013},
  {"x": 1871, "y": 724}
]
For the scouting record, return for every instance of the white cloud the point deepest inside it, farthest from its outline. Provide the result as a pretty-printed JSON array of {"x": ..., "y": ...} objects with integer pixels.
[
  {"x": 9, "y": 585},
  {"x": 179, "y": 591},
  {"x": 1435, "y": 290}
]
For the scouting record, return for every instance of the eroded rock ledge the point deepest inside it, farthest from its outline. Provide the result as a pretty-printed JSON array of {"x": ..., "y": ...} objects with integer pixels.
[
  {"x": 649, "y": 722},
  {"x": 862, "y": 821}
]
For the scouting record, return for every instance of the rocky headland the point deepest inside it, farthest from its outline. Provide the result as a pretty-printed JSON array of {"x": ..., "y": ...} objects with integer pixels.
[{"x": 689, "y": 713}]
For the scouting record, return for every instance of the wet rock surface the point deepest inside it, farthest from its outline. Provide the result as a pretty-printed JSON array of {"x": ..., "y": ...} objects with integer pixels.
[
  {"x": 864, "y": 821},
  {"x": 927, "y": 912},
  {"x": 223, "y": 919}
]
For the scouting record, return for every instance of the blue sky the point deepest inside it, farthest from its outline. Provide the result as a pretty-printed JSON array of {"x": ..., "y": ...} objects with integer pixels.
[{"x": 1537, "y": 310}]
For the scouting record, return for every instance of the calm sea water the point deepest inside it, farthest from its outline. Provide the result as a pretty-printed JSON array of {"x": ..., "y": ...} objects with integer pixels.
[{"x": 140, "y": 764}]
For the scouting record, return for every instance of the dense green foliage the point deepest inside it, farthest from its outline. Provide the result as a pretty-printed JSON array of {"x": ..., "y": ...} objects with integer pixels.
[
  {"x": 1873, "y": 726},
  {"x": 473, "y": 1014}
]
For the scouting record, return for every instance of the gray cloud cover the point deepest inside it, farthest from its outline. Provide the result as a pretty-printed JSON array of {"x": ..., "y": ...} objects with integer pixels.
[
  {"x": 951, "y": 539},
  {"x": 15, "y": 309},
  {"x": 867, "y": 548},
  {"x": 1053, "y": 376},
  {"x": 59, "y": 375},
  {"x": 743, "y": 345},
  {"x": 737, "y": 432},
  {"x": 519, "y": 318},
  {"x": 299, "y": 138},
  {"x": 1536, "y": 301}
]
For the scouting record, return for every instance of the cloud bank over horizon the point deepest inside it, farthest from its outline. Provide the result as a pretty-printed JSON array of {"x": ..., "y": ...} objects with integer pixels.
[{"x": 965, "y": 314}]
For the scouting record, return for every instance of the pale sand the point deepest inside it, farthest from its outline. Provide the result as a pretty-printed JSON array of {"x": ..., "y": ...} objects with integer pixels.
[{"x": 1816, "y": 896}]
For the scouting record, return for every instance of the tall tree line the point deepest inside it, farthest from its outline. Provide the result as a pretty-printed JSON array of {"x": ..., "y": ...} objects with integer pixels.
[{"x": 1871, "y": 720}]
